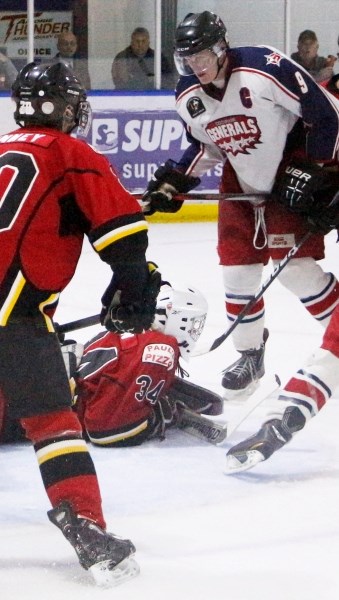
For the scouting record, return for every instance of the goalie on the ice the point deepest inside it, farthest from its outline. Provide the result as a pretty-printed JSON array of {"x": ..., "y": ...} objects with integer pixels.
[{"x": 126, "y": 387}]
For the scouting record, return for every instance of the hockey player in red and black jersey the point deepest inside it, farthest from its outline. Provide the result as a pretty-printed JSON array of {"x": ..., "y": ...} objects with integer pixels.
[
  {"x": 55, "y": 189},
  {"x": 126, "y": 388},
  {"x": 276, "y": 132}
]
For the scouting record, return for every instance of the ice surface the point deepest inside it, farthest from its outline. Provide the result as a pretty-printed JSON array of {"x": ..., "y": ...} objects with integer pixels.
[{"x": 268, "y": 534}]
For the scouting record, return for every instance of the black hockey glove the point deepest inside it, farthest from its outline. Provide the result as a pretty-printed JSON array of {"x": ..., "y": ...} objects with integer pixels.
[
  {"x": 295, "y": 189},
  {"x": 164, "y": 415},
  {"x": 324, "y": 217},
  {"x": 168, "y": 182},
  {"x": 132, "y": 316}
]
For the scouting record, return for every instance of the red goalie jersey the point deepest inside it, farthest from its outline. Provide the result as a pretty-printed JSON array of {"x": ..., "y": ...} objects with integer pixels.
[{"x": 121, "y": 379}]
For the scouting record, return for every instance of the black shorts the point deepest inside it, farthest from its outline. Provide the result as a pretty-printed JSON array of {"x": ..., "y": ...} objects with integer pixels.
[{"x": 33, "y": 376}]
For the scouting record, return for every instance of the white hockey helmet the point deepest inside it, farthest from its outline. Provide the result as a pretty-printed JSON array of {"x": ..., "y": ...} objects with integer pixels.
[{"x": 181, "y": 313}]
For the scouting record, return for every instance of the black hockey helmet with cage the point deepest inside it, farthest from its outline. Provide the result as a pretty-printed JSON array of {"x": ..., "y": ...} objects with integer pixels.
[
  {"x": 50, "y": 95},
  {"x": 197, "y": 32}
]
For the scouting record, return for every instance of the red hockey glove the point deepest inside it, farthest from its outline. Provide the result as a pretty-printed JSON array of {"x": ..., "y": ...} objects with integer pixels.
[{"x": 168, "y": 182}]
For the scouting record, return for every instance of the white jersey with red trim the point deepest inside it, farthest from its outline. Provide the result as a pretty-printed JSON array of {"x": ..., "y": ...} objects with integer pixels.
[{"x": 249, "y": 121}]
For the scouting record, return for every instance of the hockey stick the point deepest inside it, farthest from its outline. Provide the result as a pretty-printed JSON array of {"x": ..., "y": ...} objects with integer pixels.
[
  {"x": 201, "y": 427},
  {"x": 241, "y": 197},
  {"x": 95, "y": 319},
  {"x": 262, "y": 394},
  {"x": 277, "y": 270},
  {"x": 78, "y": 324},
  {"x": 215, "y": 432}
]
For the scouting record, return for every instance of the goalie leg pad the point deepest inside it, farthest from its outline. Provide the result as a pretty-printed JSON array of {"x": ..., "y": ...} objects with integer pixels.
[{"x": 196, "y": 398}]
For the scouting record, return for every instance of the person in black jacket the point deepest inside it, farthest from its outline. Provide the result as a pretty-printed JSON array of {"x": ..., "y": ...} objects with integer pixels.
[{"x": 133, "y": 68}]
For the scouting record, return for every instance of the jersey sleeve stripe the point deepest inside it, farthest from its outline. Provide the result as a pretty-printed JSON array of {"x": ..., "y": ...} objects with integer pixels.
[
  {"x": 119, "y": 233},
  {"x": 111, "y": 439},
  {"x": 53, "y": 299}
]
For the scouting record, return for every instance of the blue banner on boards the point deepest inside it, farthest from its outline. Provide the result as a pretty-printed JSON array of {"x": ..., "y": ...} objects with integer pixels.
[{"x": 137, "y": 142}]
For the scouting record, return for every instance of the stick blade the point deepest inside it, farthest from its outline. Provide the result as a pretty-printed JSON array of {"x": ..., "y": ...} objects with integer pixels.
[{"x": 202, "y": 427}]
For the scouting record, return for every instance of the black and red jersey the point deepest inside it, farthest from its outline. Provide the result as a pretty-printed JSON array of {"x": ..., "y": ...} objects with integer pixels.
[
  {"x": 54, "y": 189},
  {"x": 120, "y": 379}
]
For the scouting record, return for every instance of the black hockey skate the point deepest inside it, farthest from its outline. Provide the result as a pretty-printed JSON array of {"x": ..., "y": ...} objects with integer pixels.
[
  {"x": 105, "y": 555},
  {"x": 272, "y": 436},
  {"x": 242, "y": 377}
]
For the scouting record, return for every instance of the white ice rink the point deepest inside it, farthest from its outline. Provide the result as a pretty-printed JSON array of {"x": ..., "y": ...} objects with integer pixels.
[{"x": 269, "y": 534}]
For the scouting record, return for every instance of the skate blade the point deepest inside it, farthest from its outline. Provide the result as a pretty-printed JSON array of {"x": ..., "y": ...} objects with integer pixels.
[
  {"x": 240, "y": 395},
  {"x": 106, "y": 577},
  {"x": 242, "y": 462}
]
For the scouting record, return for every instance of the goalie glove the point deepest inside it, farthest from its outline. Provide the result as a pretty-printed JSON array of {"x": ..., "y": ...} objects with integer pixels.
[
  {"x": 132, "y": 317},
  {"x": 295, "y": 189},
  {"x": 168, "y": 182},
  {"x": 164, "y": 415}
]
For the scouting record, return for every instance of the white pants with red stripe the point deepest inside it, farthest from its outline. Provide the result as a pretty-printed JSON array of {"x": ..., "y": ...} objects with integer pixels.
[
  {"x": 318, "y": 291},
  {"x": 310, "y": 387}
]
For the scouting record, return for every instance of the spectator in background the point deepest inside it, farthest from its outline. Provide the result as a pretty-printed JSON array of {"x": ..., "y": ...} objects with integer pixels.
[
  {"x": 67, "y": 53},
  {"x": 319, "y": 67},
  {"x": 336, "y": 67},
  {"x": 133, "y": 68},
  {"x": 8, "y": 71}
]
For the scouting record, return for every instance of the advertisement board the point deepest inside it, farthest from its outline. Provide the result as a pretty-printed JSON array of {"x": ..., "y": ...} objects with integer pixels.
[
  {"x": 138, "y": 141},
  {"x": 135, "y": 141},
  {"x": 47, "y": 27}
]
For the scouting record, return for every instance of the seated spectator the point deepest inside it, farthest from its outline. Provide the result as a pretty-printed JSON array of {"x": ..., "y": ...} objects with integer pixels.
[
  {"x": 336, "y": 66},
  {"x": 67, "y": 53},
  {"x": 319, "y": 67},
  {"x": 133, "y": 68},
  {"x": 8, "y": 71}
]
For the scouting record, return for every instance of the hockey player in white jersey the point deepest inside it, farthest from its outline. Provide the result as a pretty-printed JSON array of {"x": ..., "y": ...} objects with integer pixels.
[
  {"x": 275, "y": 131},
  {"x": 305, "y": 394}
]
